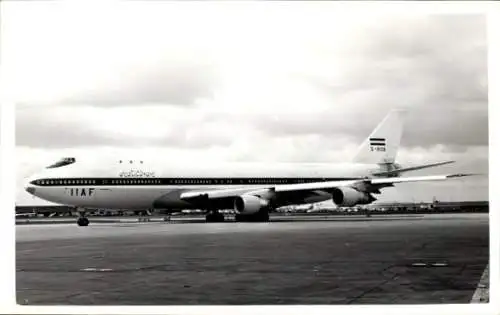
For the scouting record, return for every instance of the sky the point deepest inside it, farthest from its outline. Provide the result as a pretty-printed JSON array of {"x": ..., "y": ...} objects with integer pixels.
[{"x": 246, "y": 82}]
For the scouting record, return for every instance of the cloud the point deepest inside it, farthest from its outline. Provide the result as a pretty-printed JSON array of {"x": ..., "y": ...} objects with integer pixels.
[
  {"x": 177, "y": 83},
  {"x": 418, "y": 64},
  {"x": 320, "y": 90},
  {"x": 83, "y": 126},
  {"x": 227, "y": 88}
]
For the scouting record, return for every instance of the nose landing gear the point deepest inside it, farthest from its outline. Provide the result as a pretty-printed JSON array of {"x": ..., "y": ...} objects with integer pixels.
[{"x": 82, "y": 220}]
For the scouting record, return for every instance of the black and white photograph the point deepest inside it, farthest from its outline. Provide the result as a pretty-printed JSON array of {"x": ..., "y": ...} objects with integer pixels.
[{"x": 243, "y": 153}]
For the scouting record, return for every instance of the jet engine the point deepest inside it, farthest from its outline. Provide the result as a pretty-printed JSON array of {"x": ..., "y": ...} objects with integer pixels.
[
  {"x": 249, "y": 204},
  {"x": 348, "y": 197}
]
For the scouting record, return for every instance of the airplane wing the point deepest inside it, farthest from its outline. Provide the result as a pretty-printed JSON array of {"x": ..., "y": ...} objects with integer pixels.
[{"x": 366, "y": 185}]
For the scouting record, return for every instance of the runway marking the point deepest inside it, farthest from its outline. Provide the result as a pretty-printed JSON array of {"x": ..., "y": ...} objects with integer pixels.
[
  {"x": 440, "y": 264},
  {"x": 96, "y": 269},
  {"x": 433, "y": 264},
  {"x": 419, "y": 265},
  {"x": 481, "y": 295}
]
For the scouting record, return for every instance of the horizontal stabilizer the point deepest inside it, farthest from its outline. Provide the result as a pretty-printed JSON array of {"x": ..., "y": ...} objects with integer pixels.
[{"x": 413, "y": 168}]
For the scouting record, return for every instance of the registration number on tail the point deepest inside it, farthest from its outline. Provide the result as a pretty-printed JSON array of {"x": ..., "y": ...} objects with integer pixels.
[{"x": 377, "y": 149}]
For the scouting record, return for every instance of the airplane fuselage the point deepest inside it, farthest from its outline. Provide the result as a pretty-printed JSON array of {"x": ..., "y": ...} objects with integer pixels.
[{"x": 128, "y": 185}]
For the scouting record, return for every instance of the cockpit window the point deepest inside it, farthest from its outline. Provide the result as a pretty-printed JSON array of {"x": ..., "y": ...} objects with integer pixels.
[{"x": 62, "y": 162}]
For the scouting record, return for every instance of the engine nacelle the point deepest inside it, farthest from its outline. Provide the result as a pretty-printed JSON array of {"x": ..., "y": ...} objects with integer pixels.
[
  {"x": 348, "y": 197},
  {"x": 248, "y": 204}
]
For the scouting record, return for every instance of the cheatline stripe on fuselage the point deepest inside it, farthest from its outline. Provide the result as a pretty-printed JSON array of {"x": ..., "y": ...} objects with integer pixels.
[{"x": 152, "y": 181}]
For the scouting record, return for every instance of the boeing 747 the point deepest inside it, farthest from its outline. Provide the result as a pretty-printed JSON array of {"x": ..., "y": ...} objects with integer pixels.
[{"x": 251, "y": 190}]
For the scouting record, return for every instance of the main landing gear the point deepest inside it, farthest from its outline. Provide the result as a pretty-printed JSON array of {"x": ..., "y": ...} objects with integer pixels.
[
  {"x": 214, "y": 216},
  {"x": 82, "y": 220},
  {"x": 261, "y": 216}
]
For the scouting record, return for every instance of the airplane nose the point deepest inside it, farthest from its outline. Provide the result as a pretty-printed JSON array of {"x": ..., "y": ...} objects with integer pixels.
[{"x": 30, "y": 189}]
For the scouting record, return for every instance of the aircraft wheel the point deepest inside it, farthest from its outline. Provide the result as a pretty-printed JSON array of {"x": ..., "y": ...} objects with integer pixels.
[
  {"x": 239, "y": 218},
  {"x": 214, "y": 217},
  {"x": 262, "y": 216},
  {"x": 82, "y": 222}
]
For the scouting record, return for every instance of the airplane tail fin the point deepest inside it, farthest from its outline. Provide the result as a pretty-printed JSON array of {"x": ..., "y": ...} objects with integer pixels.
[{"x": 381, "y": 147}]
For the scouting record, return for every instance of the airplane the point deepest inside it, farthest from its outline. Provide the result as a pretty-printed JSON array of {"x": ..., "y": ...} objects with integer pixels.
[{"x": 252, "y": 190}]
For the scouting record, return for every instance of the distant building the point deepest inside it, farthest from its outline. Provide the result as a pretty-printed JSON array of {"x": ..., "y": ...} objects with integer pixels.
[
  {"x": 44, "y": 210},
  {"x": 435, "y": 206}
]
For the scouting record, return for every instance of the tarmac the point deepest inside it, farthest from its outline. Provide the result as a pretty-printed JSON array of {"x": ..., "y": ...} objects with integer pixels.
[{"x": 419, "y": 259}]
